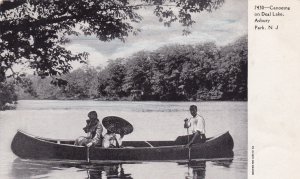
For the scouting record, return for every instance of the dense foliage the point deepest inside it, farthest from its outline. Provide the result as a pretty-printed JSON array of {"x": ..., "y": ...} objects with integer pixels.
[
  {"x": 33, "y": 32},
  {"x": 7, "y": 95},
  {"x": 175, "y": 72}
]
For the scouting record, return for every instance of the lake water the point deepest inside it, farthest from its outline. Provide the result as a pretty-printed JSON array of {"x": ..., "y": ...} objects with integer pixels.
[{"x": 151, "y": 121}]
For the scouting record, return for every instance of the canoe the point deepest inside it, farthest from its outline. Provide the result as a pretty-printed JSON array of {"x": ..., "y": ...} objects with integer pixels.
[{"x": 27, "y": 146}]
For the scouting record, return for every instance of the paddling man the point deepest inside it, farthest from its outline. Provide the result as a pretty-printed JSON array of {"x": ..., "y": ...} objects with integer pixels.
[
  {"x": 94, "y": 130},
  {"x": 197, "y": 125}
]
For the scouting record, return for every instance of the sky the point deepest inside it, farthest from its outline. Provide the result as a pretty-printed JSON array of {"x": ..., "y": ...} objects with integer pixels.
[{"x": 221, "y": 26}]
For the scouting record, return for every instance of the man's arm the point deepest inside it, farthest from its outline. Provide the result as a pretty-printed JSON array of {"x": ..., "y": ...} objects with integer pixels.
[{"x": 196, "y": 134}]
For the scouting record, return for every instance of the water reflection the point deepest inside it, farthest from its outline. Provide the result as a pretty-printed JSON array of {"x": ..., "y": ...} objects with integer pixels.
[
  {"x": 27, "y": 169},
  {"x": 197, "y": 169},
  {"x": 49, "y": 169},
  {"x": 96, "y": 171},
  {"x": 223, "y": 163},
  {"x": 43, "y": 169}
]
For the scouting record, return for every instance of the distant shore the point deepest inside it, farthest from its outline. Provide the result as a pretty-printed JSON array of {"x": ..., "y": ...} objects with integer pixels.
[{"x": 126, "y": 99}]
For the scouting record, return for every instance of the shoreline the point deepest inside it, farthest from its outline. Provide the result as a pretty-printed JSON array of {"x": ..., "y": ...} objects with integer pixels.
[{"x": 88, "y": 99}]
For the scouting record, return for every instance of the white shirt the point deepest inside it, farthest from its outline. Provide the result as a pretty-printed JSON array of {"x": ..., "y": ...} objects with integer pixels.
[{"x": 197, "y": 123}]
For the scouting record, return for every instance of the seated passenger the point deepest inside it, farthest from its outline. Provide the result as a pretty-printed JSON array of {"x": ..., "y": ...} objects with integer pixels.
[
  {"x": 94, "y": 131},
  {"x": 110, "y": 140}
]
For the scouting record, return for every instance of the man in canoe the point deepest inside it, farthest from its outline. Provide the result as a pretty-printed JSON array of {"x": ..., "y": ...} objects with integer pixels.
[
  {"x": 94, "y": 130},
  {"x": 197, "y": 125}
]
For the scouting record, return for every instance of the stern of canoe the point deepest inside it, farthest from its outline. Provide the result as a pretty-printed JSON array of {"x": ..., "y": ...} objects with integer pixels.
[
  {"x": 217, "y": 147},
  {"x": 29, "y": 147}
]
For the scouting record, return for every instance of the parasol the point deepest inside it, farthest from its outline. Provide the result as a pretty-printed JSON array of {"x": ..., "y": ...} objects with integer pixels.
[{"x": 117, "y": 125}]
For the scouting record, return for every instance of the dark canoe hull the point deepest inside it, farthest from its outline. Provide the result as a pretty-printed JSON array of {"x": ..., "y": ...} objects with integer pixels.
[{"x": 31, "y": 147}]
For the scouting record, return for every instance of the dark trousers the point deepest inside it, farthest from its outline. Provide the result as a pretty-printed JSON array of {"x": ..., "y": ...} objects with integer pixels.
[
  {"x": 183, "y": 140},
  {"x": 200, "y": 139}
]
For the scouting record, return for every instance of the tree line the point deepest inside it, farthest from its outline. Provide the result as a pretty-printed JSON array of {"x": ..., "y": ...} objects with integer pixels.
[
  {"x": 34, "y": 34},
  {"x": 171, "y": 73}
]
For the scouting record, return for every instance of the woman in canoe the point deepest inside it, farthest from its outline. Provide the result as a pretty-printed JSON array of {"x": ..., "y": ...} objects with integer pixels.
[
  {"x": 112, "y": 140},
  {"x": 94, "y": 131},
  {"x": 116, "y": 129}
]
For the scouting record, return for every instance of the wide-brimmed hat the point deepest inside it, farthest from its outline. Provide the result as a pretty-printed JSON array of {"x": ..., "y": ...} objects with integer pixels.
[{"x": 117, "y": 125}]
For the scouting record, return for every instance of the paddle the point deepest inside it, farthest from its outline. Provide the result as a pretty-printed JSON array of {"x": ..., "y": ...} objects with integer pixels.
[
  {"x": 187, "y": 131},
  {"x": 186, "y": 125},
  {"x": 189, "y": 146},
  {"x": 88, "y": 154}
]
